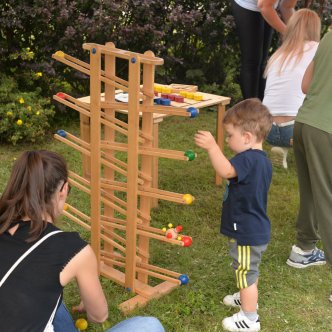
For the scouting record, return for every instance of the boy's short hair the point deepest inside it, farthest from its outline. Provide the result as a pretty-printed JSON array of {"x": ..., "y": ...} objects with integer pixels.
[{"x": 252, "y": 116}]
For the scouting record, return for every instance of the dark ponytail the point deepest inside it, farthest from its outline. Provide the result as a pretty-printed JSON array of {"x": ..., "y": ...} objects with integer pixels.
[{"x": 35, "y": 177}]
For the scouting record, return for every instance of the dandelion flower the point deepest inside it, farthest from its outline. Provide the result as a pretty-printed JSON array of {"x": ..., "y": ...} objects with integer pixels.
[
  {"x": 19, "y": 122},
  {"x": 9, "y": 113},
  {"x": 37, "y": 113},
  {"x": 21, "y": 101}
]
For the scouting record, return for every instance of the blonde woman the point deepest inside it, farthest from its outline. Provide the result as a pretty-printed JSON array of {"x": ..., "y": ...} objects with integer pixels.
[{"x": 283, "y": 95}]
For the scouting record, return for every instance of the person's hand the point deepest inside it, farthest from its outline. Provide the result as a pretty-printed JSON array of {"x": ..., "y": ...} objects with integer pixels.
[
  {"x": 205, "y": 140},
  {"x": 78, "y": 308}
]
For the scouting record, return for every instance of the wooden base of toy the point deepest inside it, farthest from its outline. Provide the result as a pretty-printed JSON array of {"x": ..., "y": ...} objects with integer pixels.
[{"x": 144, "y": 291}]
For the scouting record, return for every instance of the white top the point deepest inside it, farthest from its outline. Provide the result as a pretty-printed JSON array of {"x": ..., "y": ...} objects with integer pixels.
[
  {"x": 251, "y": 4},
  {"x": 283, "y": 95}
]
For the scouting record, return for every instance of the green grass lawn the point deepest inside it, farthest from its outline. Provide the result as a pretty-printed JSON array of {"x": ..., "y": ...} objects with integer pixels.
[{"x": 289, "y": 299}]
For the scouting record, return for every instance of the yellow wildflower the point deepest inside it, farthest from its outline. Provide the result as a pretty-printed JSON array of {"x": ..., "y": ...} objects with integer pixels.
[
  {"x": 39, "y": 74},
  {"x": 9, "y": 113},
  {"x": 19, "y": 122},
  {"x": 37, "y": 113},
  {"x": 21, "y": 101},
  {"x": 29, "y": 108}
]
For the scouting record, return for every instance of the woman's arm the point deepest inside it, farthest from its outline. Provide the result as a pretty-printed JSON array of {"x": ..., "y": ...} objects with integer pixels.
[
  {"x": 271, "y": 16},
  {"x": 84, "y": 268},
  {"x": 287, "y": 9},
  {"x": 307, "y": 78}
]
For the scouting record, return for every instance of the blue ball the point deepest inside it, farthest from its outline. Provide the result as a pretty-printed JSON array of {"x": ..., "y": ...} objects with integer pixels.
[
  {"x": 193, "y": 111},
  {"x": 61, "y": 133},
  {"x": 184, "y": 279}
]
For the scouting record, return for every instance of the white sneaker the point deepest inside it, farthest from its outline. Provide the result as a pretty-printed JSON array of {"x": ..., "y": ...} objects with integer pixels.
[
  {"x": 279, "y": 156},
  {"x": 240, "y": 323},
  {"x": 232, "y": 300}
]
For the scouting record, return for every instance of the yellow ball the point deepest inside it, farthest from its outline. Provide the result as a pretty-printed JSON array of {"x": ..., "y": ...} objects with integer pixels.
[
  {"x": 187, "y": 198},
  {"x": 179, "y": 238},
  {"x": 60, "y": 54},
  {"x": 66, "y": 207},
  {"x": 81, "y": 324},
  {"x": 164, "y": 229},
  {"x": 170, "y": 225}
]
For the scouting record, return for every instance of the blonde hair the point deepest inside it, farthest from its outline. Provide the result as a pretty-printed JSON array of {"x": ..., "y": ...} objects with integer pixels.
[
  {"x": 252, "y": 116},
  {"x": 303, "y": 26}
]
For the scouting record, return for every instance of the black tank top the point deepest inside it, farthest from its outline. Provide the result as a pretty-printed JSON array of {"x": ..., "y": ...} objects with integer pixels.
[{"x": 29, "y": 295}]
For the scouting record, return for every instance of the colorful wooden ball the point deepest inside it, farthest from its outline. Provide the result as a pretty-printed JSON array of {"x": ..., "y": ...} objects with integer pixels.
[
  {"x": 164, "y": 229},
  {"x": 81, "y": 324},
  {"x": 66, "y": 207},
  {"x": 61, "y": 133},
  {"x": 61, "y": 95},
  {"x": 179, "y": 238},
  {"x": 187, "y": 241},
  {"x": 169, "y": 235},
  {"x": 190, "y": 154},
  {"x": 187, "y": 198},
  {"x": 193, "y": 111},
  {"x": 60, "y": 54},
  {"x": 184, "y": 279},
  {"x": 170, "y": 225}
]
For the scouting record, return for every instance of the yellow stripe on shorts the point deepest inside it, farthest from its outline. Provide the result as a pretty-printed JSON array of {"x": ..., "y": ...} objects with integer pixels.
[{"x": 244, "y": 266}]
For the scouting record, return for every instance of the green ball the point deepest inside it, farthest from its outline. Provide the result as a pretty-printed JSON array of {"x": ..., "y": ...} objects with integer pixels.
[{"x": 190, "y": 154}]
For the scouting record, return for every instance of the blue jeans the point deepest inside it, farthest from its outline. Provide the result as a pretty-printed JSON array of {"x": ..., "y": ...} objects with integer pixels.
[
  {"x": 63, "y": 322},
  {"x": 281, "y": 135}
]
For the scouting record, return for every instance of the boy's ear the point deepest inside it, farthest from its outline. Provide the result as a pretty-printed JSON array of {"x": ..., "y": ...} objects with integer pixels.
[{"x": 247, "y": 137}]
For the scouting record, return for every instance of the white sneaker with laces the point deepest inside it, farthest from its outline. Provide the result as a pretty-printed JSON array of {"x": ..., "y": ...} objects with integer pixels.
[
  {"x": 232, "y": 300},
  {"x": 240, "y": 323}
]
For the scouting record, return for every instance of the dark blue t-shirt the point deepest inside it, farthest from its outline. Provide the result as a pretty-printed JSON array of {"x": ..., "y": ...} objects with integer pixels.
[{"x": 244, "y": 215}]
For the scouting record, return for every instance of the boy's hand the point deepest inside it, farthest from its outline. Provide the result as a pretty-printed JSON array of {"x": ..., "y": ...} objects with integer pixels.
[{"x": 205, "y": 140}]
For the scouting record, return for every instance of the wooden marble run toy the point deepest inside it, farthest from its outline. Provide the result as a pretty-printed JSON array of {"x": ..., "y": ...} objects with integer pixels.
[{"x": 121, "y": 191}]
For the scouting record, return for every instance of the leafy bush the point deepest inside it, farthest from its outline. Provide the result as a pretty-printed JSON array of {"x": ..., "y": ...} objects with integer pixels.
[
  {"x": 197, "y": 39},
  {"x": 24, "y": 116}
]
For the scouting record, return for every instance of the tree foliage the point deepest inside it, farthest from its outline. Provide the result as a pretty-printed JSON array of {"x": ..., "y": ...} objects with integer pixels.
[{"x": 197, "y": 39}]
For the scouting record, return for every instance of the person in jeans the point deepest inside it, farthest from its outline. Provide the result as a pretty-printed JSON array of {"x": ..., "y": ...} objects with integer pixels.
[
  {"x": 313, "y": 157},
  {"x": 285, "y": 69},
  {"x": 255, "y": 21},
  {"x": 37, "y": 260},
  {"x": 244, "y": 219}
]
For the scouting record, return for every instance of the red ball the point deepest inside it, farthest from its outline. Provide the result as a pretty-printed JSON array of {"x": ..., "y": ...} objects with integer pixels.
[
  {"x": 187, "y": 241},
  {"x": 61, "y": 95}
]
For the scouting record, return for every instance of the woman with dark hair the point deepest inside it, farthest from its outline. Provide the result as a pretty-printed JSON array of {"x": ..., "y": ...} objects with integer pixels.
[{"x": 37, "y": 260}]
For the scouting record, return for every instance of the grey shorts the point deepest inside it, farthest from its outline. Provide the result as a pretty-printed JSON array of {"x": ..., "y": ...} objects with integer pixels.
[{"x": 246, "y": 260}]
